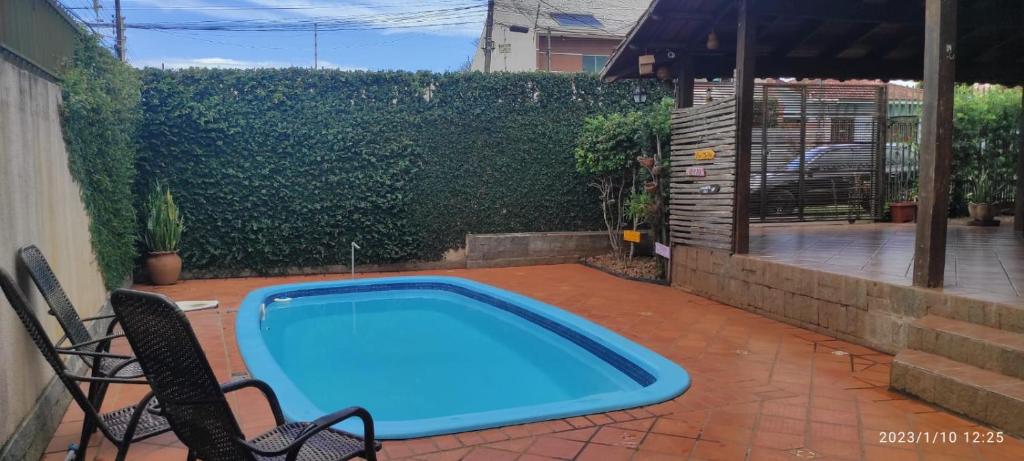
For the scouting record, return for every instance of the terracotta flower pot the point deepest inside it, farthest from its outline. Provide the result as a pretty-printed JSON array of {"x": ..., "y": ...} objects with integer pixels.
[
  {"x": 983, "y": 212},
  {"x": 646, "y": 162},
  {"x": 903, "y": 211},
  {"x": 651, "y": 187},
  {"x": 164, "y": 268}
]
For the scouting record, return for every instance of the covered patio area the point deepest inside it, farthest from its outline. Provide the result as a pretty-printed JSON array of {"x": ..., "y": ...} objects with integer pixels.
[{"x": 982, "y": 262}]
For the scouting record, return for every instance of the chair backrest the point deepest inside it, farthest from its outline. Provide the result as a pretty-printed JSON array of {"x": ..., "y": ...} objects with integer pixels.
[
  {"x": 61, "y": 307},
  {"x": 35, "y": 330},
  {"x": 176, "y": 367}
]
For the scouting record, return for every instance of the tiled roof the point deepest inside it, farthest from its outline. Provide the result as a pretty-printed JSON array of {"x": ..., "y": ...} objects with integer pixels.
[{"x": 616, "y": 17}]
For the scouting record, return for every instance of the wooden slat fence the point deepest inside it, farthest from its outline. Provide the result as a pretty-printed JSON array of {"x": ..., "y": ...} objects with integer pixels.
[{"x": 696, "y": 219}]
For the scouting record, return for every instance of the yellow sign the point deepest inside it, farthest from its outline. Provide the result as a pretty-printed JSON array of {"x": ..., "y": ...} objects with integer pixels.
[
  {"x": 631, "y": 236},
  {"x": 704, "y": 154}
]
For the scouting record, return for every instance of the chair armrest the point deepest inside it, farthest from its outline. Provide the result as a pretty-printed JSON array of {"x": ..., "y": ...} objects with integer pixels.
[
  {"x": 98, "y": 317},
  {"x": 322, "y": 423},
  {"x": 268, "y": 393},
  {"x": 61, "y": 350},
  {"x": 96, "y": 341},
  {"x": 326, "y": 421},
  {"x": 101, "y": 379}
]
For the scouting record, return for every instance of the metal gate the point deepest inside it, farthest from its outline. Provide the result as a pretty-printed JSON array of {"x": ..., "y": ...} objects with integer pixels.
[
  {"x": 817, "y": 152},
  {"x": 901, "y": 158}
]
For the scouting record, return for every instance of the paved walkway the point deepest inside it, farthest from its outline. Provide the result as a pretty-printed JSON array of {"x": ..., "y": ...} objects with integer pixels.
[{"x": 762, "y": 390}]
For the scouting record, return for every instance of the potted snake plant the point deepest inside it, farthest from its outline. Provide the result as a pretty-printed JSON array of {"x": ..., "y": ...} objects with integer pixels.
[
  {"x": 980, "y": 200},
  {"x": 164, "y": 225}
]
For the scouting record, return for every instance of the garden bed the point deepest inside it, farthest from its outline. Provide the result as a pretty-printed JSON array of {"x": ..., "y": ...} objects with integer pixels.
[{"x": 639, "y": 268}]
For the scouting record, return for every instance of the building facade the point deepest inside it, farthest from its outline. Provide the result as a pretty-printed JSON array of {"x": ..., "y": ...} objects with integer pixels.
[{"x": 556, "y": 35}]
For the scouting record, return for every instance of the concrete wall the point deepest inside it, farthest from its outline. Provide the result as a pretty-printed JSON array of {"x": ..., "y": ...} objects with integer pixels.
[
  {"x": 525, "y": 249},
  {"x": 40, "y": 204}
]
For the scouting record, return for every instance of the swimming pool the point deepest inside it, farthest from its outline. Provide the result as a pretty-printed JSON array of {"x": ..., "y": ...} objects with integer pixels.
[{"x": 437, "y": 355}]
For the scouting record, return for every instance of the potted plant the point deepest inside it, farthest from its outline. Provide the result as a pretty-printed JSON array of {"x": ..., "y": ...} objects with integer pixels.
[
  {"x": 162, "y": 236},
  {"x": 979, "y": 203},
  {"x": 905, "y": 210}
]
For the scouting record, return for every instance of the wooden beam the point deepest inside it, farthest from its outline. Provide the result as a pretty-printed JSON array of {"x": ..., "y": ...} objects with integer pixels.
[
  {"x": 684, "y": 83},
  {"x": 894, "y": 12},
  {"x": 1018, "y": 216},
  {"x": 844, "y": 41},
  {"x": 936, "y": 155},
  {"x": 745, "y": 61},
  {"x": 806, "y": 28}
]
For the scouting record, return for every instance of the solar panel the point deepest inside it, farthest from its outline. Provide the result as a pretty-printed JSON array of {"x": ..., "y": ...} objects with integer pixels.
[{"x": 576, "y": 20}]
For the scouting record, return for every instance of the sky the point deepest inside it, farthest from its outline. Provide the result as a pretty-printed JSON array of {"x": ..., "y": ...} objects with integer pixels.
[{"x": 436, "y": 35}]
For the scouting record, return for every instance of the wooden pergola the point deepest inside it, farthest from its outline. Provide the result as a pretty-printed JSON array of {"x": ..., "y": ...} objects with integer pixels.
[{"x": 939, "y": 42}]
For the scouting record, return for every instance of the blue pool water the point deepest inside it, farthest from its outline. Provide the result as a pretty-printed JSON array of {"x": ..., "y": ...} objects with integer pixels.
[{"x": 432, "y": 355}]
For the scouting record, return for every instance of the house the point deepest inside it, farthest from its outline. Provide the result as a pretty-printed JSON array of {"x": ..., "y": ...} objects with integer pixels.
[{"x": 557, "y": 35}]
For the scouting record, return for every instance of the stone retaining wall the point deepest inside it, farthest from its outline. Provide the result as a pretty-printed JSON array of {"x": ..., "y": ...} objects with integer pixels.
[
  {"x": 872, "y": 313},
  {"x": 528, "y": 249}
]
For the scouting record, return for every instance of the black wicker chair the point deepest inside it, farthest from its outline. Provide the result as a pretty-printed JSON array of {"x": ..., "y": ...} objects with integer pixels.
[
  {"x": 123, "y": 426},
  {"x": 196, "y": 407},
  {"x": 76, "y": 333}
]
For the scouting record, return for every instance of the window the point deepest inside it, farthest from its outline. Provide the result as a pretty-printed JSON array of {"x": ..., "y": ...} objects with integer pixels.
[
  {"x": 576, "y": 20},
  {"x": 593, "y": 64}
]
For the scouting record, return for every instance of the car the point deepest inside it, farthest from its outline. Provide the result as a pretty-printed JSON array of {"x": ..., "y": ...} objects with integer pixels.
[{"x": 837, "y": 178}]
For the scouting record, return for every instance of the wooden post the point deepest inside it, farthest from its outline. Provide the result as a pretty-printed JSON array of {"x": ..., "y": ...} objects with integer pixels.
[
  {"x": 684, "y": 83},
  {"x": 1018, "y": 216},
  {"x": 936, "y": 142},
  {"x": 744, "y": 125}
]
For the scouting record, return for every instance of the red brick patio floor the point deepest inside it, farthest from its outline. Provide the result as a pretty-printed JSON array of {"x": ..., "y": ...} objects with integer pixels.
[{"x": 762, "y": 390}]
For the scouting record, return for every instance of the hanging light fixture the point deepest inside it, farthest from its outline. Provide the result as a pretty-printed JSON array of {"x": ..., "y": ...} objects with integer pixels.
[
  {"x": 712, "y": 40},
  {"x": 639, "y": 95}
]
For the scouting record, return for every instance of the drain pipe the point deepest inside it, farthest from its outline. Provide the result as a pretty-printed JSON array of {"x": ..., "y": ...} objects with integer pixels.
[{"x": 354, "y": 247}]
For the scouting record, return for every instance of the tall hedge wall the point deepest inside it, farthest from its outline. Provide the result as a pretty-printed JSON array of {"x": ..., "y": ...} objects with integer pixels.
[
  {"x": 99, "y": 117},
  {"x": 283, "y": 168}
]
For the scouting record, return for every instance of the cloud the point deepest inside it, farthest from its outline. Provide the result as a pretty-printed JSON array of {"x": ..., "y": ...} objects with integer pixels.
[
  {"x": 228, "y": 63},
  {"x": 387, "y": 16}
]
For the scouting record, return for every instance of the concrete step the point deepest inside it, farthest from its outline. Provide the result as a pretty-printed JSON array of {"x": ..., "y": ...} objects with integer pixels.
[
  {"x": 992, "y": 398},
  {"x": 984, "y": 347}
]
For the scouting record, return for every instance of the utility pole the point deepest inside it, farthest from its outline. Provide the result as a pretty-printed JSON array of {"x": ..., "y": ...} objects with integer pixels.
[
  {"x": 488, "y": 31},
  {"x": 119, "y": 31},
  {"x": 316, "y": 46}
]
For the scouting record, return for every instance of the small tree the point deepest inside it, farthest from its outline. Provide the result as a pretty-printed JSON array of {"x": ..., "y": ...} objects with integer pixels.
[{"x": 605, "y": 152}]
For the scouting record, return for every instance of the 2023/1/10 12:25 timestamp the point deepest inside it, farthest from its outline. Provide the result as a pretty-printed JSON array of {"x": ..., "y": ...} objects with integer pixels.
[{"x": 941, "y": 437}]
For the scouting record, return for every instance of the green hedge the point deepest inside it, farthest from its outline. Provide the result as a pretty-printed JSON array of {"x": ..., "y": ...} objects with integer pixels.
[
  {"x": 985, "y": 137},
  {"x": 99, "y": 117},
  {"x": 281, "y": 168}
]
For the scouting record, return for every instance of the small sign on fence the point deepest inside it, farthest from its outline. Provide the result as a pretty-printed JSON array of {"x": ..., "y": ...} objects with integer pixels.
[
  {"x": 631, "y": 236},
  {"x": 662, "y": 250},
  {"x": 704, "y": 154},
  {"x": 696, "y": 171}
]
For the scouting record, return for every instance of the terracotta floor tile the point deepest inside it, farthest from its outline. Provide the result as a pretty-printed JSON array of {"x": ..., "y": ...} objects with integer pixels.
[
  {"x": 608, "y": 435},
  {"x": 489, "y": 454},
  {"x": 598, "y": 452},
  {"x": 555, "y": 447},
  {"x": 668, "y": 444},
  {"x": 758, "y": 387}
]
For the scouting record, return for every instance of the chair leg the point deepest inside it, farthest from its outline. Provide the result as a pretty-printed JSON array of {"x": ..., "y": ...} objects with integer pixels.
[
  {"x": 371, "y": 455},
  {"x": 191, "y": 455},
  {"x": 88, "y": 427},
  {"x": 122, "y": 451}
]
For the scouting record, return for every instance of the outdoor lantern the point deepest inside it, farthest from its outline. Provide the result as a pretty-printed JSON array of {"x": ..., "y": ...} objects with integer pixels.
[
  {"x": 712, "y": 40},
  {"x": 639, "y": 95}
]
